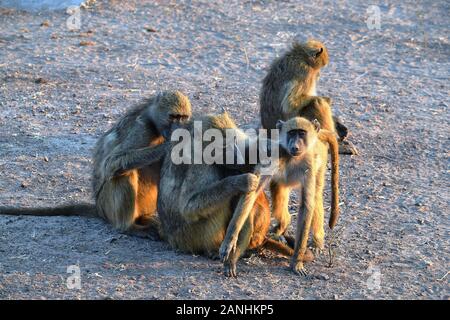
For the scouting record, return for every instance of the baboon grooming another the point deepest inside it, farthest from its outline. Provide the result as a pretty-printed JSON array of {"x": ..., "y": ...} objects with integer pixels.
[
  {"x": 127, "y": 160},
  {"x": 197, "y": 201},
  {"x": 291, "y": 84}
]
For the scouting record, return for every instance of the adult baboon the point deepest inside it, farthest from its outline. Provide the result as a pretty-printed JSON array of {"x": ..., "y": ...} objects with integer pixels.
[
  {"x": 196, "y": 202},
  {"x": 291, "y": 84},
  {"x": 127, "y": 161}
]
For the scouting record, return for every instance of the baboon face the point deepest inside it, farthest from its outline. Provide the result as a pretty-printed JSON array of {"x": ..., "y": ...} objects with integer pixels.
[
  {"x": 172, "y": 110},
  {"x": 297, "y": 135}
]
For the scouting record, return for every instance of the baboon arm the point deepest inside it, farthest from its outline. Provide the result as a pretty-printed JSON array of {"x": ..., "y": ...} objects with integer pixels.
[
  {"x": 305, "y": 216},
  {"x": 210, "y": 198},
  {"x": 133, "y": 159},
  {"x": 296, "y": 103},
  {"x": 240, "y": 215}
]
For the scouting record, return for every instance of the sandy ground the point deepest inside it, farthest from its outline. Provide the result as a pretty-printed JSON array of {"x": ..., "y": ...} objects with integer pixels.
[{"x": 389, "y": 85}]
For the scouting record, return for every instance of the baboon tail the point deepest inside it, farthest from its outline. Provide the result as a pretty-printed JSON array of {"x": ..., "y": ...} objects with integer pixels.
[
  {"x": 334, "y": 151},
  {"x": 279, "y": 247},
  {"x": 146, "y": 227},
  {"x": 82, "y": 209}
]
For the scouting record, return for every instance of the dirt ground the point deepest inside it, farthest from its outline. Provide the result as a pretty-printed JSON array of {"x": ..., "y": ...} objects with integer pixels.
[{"x": 60, "y": 89}]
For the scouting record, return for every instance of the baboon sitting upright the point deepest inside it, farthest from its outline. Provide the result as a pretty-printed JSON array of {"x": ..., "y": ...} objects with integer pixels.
[
  {"x": 291, "y": 84},
  {"x": 196, "y": 203},
  {"x": 127, "y": 160}
]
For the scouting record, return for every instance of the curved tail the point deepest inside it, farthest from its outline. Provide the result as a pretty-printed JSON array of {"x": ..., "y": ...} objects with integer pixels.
[
  {"x": 83, "y": 209},
  {"x": 146, "y": 227},
  {"x": 330, "y": 138},
  {"x": 278, "y": 247}
]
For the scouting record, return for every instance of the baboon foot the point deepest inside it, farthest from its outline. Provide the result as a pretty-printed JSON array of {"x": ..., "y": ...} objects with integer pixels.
[
  {"x": 230, "y": 269},
  {"x": 347, "y": 147},
  {"x": 341, "y": 129},
  {"x": 279, "y": 238},
  {"x": 282, "y": 225},
  {"x": 318, "y": 245},
  {"x": 299, "y": 268},
  {"x": 317, "y": 251}
]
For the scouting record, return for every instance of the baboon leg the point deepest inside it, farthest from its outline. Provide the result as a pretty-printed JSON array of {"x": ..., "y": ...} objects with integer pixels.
[
  {"x": 211, "y": 198},
  {"x": 116, "y": 201},
  {"x": 305, "y": 216},
  {"x": 341, "y": 129},
  {"x": 280, "y": 207},
  {"x": 121, "y": 163},
  {"x": 261, "y": 221},
  {"x": 146, "y": 223},
  {"x": 317, "y": 228},
  {"x": 241, "y": 245},
  {"x": 318, "y": 109}
]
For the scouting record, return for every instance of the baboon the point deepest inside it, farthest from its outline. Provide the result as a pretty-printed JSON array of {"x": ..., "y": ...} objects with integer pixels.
[
  {"x": 291, "y": 84},
  {"x": 127, "y": 160},
  {"x": 318, "y": 109},
  {"x": 303, "y": 164},
  {"x": 196, "y": 203}
]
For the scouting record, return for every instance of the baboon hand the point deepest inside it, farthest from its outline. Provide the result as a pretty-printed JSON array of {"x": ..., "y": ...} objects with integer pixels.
[
  {"x": 112, "y": 168},
  {"x": 248, "y": 182},
  {"x": 230, "y": 270},
  {"x": 283, "y": 224},
  {"x": 226, "y": 249}
]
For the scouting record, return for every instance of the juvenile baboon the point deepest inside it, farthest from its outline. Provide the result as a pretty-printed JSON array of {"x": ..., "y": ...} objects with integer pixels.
[
  {"x": 291, "y": 84},
  {"x": 303, "y": 164},
  {"x": 318, "y": 109},
  {"x": 196, "y": 203},
  {"x": 127, "y": 160}
]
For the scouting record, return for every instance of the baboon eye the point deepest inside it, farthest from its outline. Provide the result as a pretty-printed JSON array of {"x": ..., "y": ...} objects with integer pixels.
[{"x": 178, "y": 117}]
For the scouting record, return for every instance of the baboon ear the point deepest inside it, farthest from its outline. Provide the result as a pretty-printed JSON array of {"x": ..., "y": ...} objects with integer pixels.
[
  {"x": 317, "y": 52},
  {"x": 279, "y": 124},
  {"x": 316, "y": 125},
  {"x": 328, "y": 100}
]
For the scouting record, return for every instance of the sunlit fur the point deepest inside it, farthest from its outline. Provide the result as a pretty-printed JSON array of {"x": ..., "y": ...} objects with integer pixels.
[
  {"x": 307, "y": 172},
  {"x": 197, "y": 201},
  {"x": 291, "y": 81},
  {"x": 127, "y": 160}
]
